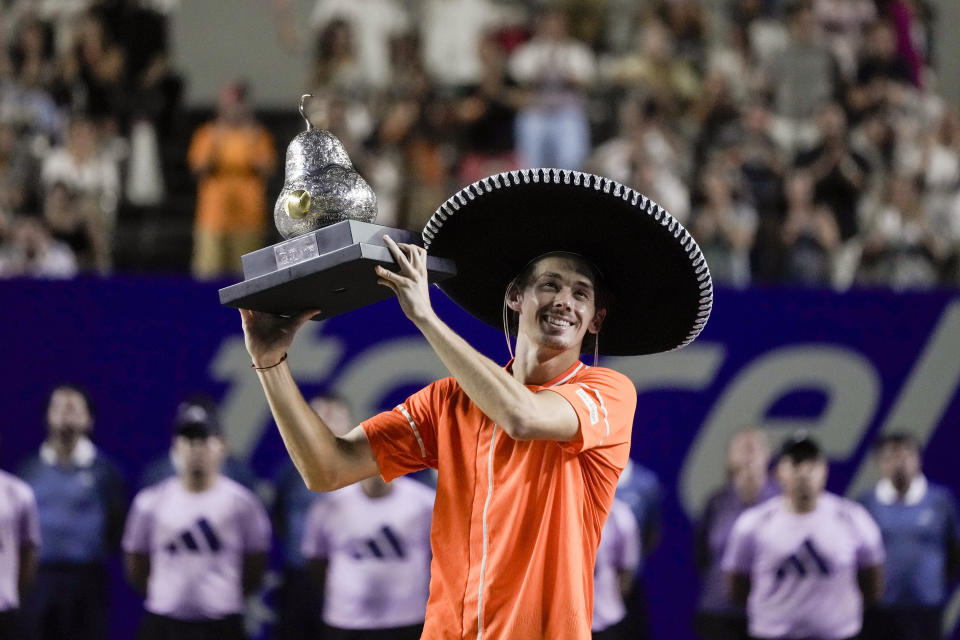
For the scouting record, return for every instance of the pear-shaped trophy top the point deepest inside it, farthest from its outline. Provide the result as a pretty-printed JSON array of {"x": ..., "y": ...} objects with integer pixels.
[{"x": 320, "y": 185}]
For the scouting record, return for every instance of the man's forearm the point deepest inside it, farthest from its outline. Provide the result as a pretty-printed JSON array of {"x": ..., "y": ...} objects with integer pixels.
[{"x": 324, "y": 461}]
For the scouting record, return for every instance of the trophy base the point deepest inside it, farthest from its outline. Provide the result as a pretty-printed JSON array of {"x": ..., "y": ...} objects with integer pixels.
[{"x": 331, "y": 269}]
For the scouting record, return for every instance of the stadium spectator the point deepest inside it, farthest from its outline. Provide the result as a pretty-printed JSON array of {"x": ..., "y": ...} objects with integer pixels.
[
  {"x": 724, "y": 225},
  {"x": 802, "y": 77},
  {"x": 810, "y": 236},
  {"x": 91, "y": 173},
  {"x": 556, "y": 70},
  {"x": 231, "y": 157},
  {"x": 618, "y": 563},
  {"x": 368, "y": 545},
  {"x": 81, "y": 503},
  {"x": 19, "y": 539},
  {"x": 843, "y": 25},
  {"x": 32, "y": 252},
  {"x": 196, "y": 544},
  {"x": 652, "y": 68},
  {"x": 921, "y": 533},
  {"x": 839, "y": 172},
  {"x": 486, "y": 117},
  {"x": 647, "y": 156},
  {"x": 72, "y": 220},
  {"x": 17, "y": 168},
  {"x": 453, "y": 34},
  {"x": 336, "y": 67},
  {"x": 804, "y": 563},
  {"x": 300, "y": 597},
  {"x": 748, "y": 484},
  {"x": 883, "y": 75},
  {"x": 198, "y": 410},
  {"x": 374, "y": 24},
  {"x": 901, "y": 248},
  {"x": 639, "y": 489}
]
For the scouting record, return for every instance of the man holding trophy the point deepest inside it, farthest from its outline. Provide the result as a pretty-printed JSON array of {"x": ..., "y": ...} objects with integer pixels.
[{"x": 527, "y": 454}]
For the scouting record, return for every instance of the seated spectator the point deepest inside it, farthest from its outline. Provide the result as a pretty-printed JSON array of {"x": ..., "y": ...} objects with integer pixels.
[
  {"x": 803, "y": 76},
  {"x": 941, "y": 181},
  {"x": 88, "y": 171},
  {"x": 807, "y": 562},
  {"x": 373, "y": 23},
  {"x": 19, "y": 539},
  {"x": 883, "y": 75},
  {"x": 556, "y": 70},
  {"x": 646, "y": 156},
  {"x": 843, "y": 25},
  {"x": 838, "y": 171},
  {"x": 901, "y": 249},
  {"x": 16, "y": 170},
  {"x": 453, "y": 34},
  {"x": 196, "y": 545},
  {"x": 724, "y": 226},
  {"x": 336, "y": 68},
  {"x": 652, "y": 68},
  {"x": 72, "y": 220},
  {"x": 81, "y": 502},
  {"x": 748, "y": 484},
  {"x": 618, "y": 561},
  {"x": 486, "y": 117},
  {"x": 921, "y": 534},
  {"x": 32, "y": 252},
  {"x": 810, "y": 236}
]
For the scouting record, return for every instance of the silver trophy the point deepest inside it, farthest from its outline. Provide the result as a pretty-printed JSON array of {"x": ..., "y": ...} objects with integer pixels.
[{"x": 326, "y": 212}]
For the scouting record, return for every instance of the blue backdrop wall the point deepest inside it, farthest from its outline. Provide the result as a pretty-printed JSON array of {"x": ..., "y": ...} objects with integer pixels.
[{"x": 847, "y": 366}]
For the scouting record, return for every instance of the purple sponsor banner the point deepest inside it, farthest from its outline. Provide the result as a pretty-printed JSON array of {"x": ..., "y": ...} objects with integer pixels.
[{"x": 847, "y": 366}]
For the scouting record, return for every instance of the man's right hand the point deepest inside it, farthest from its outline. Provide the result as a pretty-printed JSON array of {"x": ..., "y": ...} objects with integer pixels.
[{"x": 268, "y": 336}]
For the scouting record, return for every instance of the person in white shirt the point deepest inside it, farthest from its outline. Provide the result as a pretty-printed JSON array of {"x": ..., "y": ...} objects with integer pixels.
[{"x": 806, "y": 561}]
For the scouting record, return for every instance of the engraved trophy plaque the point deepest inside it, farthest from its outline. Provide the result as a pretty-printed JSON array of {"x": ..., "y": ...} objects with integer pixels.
[{"x": 326, "y": 214}]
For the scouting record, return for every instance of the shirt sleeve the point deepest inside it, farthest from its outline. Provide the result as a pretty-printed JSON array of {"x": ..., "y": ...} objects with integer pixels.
[
  {"x": 404, "y": 439},
  {"x": 256, "y": 527},
  {"x": 870, "y": 552},
  {"x": 739, "y": 555},
  {"x": 605, "y": 402},
  {"x": 138, "y": 532},
  {"x": 28, "y": 523},
  {"x": 315, "y": 544}
]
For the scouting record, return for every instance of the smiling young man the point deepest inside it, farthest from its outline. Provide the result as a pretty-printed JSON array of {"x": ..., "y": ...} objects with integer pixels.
[{"x": 527, "y": 455}]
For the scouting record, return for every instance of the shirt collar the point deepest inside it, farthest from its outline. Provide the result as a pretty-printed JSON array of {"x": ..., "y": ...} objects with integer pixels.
[
  {"x": 82, "y": 456},
  {"x": 887, "y": 494},
  {"x": 563, "y": 378}
]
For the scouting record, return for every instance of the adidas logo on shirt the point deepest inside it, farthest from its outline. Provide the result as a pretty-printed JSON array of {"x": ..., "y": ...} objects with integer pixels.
[
  {"x": 805, "y": 561},
  {"x": 199, "y": 538},
  {"x": 387, "y": 545}
]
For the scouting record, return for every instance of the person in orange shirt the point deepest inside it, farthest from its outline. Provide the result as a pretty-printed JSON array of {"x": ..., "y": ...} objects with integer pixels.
[
  {"x": 527, "y": 455},
  {"x": 232, "y": 158}
]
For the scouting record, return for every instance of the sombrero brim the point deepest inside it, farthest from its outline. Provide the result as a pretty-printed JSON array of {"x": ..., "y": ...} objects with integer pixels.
[{"x": 662, "y": 293}]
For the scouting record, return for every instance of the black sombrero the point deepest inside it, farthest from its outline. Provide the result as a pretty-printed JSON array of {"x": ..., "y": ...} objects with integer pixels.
[{"x": 660, "y": 284}]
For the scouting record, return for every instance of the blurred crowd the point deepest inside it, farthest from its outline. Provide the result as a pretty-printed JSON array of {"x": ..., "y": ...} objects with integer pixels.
[
  {"x": 778, "y": 555},
  {"x": 801, "y": 141}
]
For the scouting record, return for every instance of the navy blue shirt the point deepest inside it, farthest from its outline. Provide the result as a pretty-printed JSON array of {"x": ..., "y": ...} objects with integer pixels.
[
  {"x": 917, "y": 533},
  {"x": 80, "y": 508}
]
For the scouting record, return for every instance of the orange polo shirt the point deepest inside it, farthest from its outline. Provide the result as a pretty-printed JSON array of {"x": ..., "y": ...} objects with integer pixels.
[{"x": 516, "y": 524}]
